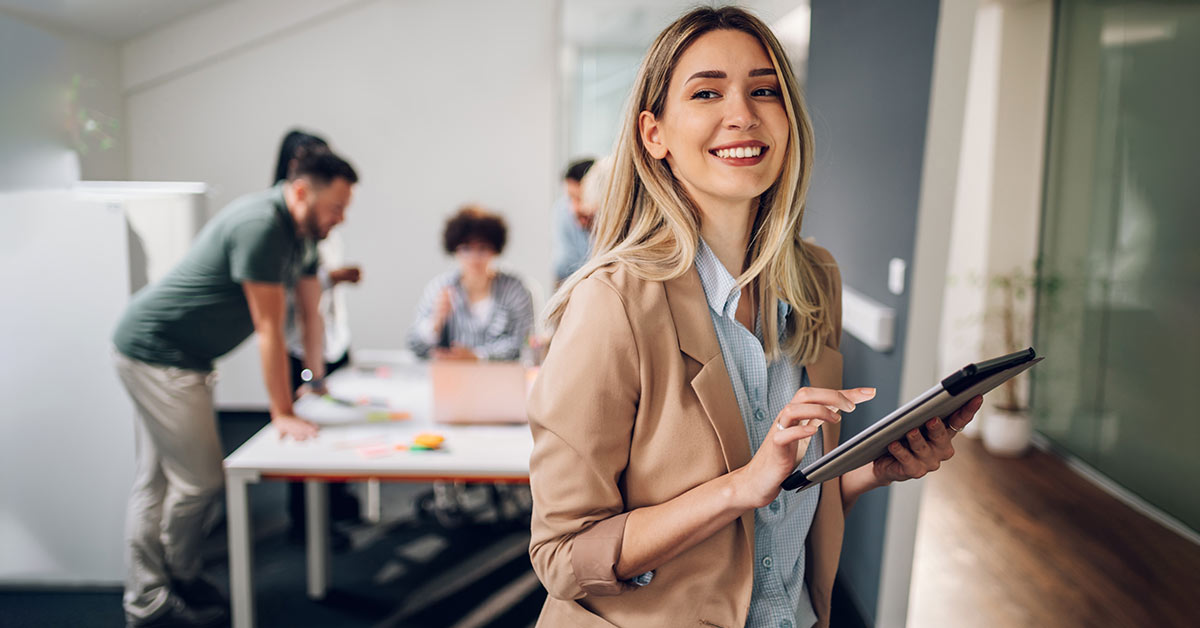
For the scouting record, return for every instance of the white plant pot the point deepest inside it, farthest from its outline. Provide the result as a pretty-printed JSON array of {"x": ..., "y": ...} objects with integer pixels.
[{"x": 1007, "y": 433}]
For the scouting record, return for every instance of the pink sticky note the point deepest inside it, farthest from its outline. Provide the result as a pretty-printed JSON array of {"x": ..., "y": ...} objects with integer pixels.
[{"x": 374, "y": 451}]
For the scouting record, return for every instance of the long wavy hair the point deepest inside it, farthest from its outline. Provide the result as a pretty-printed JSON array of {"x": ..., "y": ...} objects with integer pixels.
[{"x": 649, "y": 224}]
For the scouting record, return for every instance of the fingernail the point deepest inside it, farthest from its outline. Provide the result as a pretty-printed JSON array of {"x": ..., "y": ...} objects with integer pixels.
[{"x": 914, "y": 433}]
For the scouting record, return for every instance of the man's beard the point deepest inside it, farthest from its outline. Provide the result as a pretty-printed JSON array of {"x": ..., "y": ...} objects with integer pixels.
[{"x": 313, "y": 226}]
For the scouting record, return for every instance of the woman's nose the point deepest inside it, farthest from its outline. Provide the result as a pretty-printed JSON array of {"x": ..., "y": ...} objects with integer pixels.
[{"x": 740, "y": 113}]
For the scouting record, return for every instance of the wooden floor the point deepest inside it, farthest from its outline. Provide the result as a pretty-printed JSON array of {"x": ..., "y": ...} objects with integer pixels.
[{"x": 1027, "y": 542}]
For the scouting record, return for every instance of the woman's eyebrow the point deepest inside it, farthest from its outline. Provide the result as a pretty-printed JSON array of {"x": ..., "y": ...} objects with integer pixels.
[
  {"x": 717, "y": 74},
  {"x": 713, "y": 74}
]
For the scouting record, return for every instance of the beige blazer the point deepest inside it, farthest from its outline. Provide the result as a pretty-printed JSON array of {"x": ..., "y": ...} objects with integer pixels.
[{"x": 633, "y": 406}]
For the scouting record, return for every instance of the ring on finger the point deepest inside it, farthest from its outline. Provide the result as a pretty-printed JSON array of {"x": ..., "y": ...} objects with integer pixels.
[{"x": 954, "y": 429}]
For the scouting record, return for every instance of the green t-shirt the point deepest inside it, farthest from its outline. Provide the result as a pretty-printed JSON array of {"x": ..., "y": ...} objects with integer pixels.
[{"x": 198, "y": 311}]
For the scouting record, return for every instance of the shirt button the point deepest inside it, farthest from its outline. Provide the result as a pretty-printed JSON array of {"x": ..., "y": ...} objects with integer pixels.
[
  {"x": 767, "y": 562},
  {"x": 775, "y": 506},
  {"x": 759, "y": 414},
  {"x": 787, "y": 623}
]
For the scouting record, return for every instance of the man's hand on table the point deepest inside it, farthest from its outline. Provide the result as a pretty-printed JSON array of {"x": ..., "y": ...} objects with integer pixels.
[
  {"x": 316, "y": 387},
  {"x": 297, "y": 428}
]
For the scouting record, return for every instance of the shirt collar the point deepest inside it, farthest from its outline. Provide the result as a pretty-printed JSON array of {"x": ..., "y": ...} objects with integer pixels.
[{"x": 720, "y": 287}]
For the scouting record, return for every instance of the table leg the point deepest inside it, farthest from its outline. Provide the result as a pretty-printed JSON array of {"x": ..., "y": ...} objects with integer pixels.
[
  {"x": 373, "y": 508},
  {"x": 316, "y": 500},
  {"x": 241, "y": 575}
]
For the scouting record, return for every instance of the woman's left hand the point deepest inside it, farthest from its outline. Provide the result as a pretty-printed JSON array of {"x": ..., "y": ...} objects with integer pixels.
[{"x": 918, "y": 454}]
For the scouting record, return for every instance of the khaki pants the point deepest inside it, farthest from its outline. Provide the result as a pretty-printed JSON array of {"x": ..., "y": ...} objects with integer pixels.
[{"x": 178, "y": 477}]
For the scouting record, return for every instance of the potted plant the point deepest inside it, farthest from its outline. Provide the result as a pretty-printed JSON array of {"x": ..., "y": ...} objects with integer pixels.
[{"x": 1007, "y": 427}]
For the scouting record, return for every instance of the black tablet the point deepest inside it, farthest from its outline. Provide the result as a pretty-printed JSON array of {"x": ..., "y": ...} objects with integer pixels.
[{"x": 942, "y": 400}]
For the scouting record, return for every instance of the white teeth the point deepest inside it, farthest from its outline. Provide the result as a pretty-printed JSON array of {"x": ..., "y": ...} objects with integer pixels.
[{"x": 740, "y": 152}]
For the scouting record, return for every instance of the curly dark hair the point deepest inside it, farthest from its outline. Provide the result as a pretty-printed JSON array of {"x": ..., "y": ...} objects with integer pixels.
[{"x": 475, "y": 224}]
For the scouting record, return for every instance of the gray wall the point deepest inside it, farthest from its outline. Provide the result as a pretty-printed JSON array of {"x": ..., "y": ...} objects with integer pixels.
[{"x": 869, "y": 72}]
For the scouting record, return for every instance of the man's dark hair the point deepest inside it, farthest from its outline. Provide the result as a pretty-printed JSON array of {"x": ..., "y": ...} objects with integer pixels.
[
  {"x": 322, "y": 168},
  {"x": 474, "y": 224},
  {"x": 578, "y": 168},
  {"x": 296, "y": 144}
]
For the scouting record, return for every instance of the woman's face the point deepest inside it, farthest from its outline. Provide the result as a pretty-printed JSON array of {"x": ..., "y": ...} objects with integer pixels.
[
  {"x": 475, "y": 257},
  {"x": 724, "y": 129}
]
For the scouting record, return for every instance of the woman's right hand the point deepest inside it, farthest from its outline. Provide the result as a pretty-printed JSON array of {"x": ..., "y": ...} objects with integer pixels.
[{"x": 758, "y": 481}]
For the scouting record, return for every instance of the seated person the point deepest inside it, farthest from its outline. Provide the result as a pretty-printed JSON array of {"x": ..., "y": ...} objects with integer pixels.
[{"x": 474, "y": 311}]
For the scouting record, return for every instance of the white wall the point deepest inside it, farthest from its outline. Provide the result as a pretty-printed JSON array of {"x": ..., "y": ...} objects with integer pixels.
[
  {"x": 998, "y": 206},
  {"x": 962, "y": 334},
  {"x": 436, "y": 104},
  {"x": 38, "y": 67}
]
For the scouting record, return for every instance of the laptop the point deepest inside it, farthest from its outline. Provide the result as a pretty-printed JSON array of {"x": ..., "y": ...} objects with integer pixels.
[{"x": 468, "y": 392}]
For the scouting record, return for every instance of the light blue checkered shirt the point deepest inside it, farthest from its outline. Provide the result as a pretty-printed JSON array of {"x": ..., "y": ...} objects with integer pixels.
[{"x": 780, "y": 598}]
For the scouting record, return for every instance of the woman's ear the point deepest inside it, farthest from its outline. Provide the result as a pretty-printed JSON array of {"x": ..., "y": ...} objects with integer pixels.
[{"x": 651, "y": 134}]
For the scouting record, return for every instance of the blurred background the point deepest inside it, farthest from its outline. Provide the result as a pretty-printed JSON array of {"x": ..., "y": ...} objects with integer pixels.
[{"x": 990, "y": 175}]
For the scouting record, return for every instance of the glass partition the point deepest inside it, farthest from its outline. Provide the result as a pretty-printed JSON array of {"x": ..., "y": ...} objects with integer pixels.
[{"x": 1121, "y": 325}]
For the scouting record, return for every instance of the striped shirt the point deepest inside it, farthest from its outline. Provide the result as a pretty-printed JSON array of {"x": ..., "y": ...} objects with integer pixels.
[
  {"x": 498, "y": 335},
  {"x": 780, "y": 597}
]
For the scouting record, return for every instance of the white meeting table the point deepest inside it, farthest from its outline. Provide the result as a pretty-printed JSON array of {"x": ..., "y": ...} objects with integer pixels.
[{"x": 351, "y": 448}]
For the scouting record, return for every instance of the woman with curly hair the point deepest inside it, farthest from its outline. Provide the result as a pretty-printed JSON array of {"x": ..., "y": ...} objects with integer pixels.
[{"x": 475, "y": 311}]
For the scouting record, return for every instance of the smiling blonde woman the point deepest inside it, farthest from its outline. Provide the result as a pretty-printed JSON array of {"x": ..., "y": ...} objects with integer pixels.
[{"x": 695, "y": 360}]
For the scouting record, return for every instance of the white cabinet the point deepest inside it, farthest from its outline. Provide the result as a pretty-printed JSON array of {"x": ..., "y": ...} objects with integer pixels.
[{"x": 68, "y": 262}]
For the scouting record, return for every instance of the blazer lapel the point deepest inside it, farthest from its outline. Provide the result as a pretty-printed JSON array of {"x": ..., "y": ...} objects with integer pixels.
[{"x": 698, "y": 339}]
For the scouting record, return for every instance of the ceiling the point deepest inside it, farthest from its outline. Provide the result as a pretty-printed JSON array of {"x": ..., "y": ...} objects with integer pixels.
[
  {"x": 106, "y": 20},
  {"x": 635, "y": 23},
  {"x": 627, "y": 24}
]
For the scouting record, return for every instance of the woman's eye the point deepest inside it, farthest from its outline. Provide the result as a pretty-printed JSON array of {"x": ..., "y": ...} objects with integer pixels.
[
  {"x": 767, "y": 92},
  {"x": 705, "y": 94}
]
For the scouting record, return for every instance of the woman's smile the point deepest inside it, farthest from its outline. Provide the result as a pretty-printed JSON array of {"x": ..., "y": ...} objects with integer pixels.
[{"x": 739, "y": 154}]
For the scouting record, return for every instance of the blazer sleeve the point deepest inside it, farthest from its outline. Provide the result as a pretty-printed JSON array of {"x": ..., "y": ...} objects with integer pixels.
[{"x": 581, "y": 412}]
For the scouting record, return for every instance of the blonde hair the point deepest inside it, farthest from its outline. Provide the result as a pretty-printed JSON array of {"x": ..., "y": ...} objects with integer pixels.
[{"x": 648, "y": 223}]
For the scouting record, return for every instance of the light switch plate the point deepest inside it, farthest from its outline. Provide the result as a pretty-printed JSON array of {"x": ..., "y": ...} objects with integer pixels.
[
  {"x": 868, "y": 320},
  {"x": 896, "y": 269}
]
